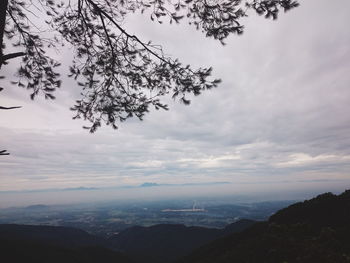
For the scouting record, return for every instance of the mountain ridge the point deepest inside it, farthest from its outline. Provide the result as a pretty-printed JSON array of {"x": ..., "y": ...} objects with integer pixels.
[
  {"x": 167, "y": 242},
  {"x": 316, "y": 230}
]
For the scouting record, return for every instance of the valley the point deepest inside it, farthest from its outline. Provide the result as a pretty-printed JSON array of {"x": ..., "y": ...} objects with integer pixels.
[{"x": 109, "y": 218}]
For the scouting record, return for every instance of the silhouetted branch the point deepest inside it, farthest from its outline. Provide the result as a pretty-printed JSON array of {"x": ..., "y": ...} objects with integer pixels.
[
  {"x": 121, "y": 75},
  {"x": 3, "y": 7},
  {"x": 102, "y": 12},
  {"x": 12, "y": 55},
  {"x": 10, "y": 108},
  {"x": 4, "y": 152},
  {"x": 37, "y": 70}
]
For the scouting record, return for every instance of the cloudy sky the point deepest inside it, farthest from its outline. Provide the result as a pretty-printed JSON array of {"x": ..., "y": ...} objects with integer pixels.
[{"x": 280, "y": 118}]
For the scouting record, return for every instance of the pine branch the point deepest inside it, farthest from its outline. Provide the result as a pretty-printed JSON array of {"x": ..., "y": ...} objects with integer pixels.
[
  {"x": 10, "y": 108},
  {"x": 12, "y": 55},
  {"x": 4, "y": 152}
]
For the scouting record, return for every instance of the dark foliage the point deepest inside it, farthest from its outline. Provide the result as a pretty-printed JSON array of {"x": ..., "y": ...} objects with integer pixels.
[
  {"x": 19, "y": 251},
  {"x": 62, "y": 236},
  {"x": 238, "y": 226},
  {"x": 159, "y": 243},
  {"x": 121, "y": 75},
  {"x": 317, "y": 230},
  {"x": 166, "y": 243},
  {"x": 4, "y": 152},
  {"x": 28, "y": 243},
  {"x": 325, "y": 210}
]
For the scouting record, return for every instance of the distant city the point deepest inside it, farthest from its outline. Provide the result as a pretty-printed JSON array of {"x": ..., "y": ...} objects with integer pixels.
[{"x": 107, "y": 218}]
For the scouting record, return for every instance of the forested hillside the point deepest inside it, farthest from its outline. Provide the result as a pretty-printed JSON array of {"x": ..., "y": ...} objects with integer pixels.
[{"x": 317, "y": 230}]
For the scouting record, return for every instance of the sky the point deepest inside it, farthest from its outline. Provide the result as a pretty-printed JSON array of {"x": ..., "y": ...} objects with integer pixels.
[{"x": 279, "y": 121}]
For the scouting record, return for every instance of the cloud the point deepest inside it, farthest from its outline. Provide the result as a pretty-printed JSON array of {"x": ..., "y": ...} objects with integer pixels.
[
  {"x": 210, "y": 162},
  {"x": 281, "y": 114},
  {"x": 302, "y": 159}
]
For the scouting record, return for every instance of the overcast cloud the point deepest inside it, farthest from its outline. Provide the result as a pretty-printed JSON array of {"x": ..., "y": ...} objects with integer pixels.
[{"x": 281, "y": 114}]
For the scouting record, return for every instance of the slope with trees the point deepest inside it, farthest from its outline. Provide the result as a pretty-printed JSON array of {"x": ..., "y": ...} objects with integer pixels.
[
  {"x": 168, "y": 242},
  {"x": 19, "y": 251},
  {"x": 158, "y": 243},
  {"x": 317, "y": 230},
  {"x": 27, "y": 243}
]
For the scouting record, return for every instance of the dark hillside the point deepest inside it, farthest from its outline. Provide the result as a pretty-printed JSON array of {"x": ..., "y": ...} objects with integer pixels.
[
  {"x": 62, "y": 236},
  {"x": 237, "y": 226},
  {"x": 324, "y": 210},
  {"x": 19, "y": 251},
  {"x": 158, "y": 243},
  {"x": 317, "y": 230},
  {"x": 165, "y": 243}
]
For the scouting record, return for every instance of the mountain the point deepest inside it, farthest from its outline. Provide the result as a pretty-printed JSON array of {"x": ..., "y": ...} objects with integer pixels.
[
  {"x": 324, "y": 210},
  {"x": 19, "y": 251},
  {"x": 158, "y": 243},
  {"x": 237, "y": 226},
  {"x": 149, "y": 184},
  {"x": 41, "y": 244},
  {"x": 36, "y": 207},
  {"x": 165, "y": 242},
  {"x": 55, "y": 235},
  {"x": 317, "y": 230}
]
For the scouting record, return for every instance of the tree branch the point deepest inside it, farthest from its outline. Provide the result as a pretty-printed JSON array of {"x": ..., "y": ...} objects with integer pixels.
[
  {"x": 107, "y": 36},
  {"x": 3, "y": 7},
  {"x": 100, "y": 11},
  {"x": 10, "y": 108},
  {"x": 12, "y": 55},
  {"x": 4, "y": 152}
]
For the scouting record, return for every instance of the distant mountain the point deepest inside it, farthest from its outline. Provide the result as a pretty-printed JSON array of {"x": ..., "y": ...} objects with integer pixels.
[
  {"x": 317, "y": 230},
  {"x": 79, "y": 189},
  {"x": 36, "y": 207},
  {"x": 165, "y": 242},
  {"x": 149, "y": 184},
  {"x": 146, "y": 184}
]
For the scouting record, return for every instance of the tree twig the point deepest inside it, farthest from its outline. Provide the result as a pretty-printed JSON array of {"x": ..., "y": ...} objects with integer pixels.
[
  {"x": 10, "y": 108},
  {"x": 4, "y": 152}
]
